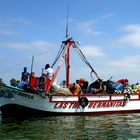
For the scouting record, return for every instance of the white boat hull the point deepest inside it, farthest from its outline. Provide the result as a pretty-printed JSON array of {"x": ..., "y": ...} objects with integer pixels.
[{"x": 15, "y": 102}]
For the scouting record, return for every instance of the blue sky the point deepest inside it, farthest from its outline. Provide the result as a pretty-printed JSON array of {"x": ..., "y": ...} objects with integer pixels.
[{"x": 108, "y": 30}]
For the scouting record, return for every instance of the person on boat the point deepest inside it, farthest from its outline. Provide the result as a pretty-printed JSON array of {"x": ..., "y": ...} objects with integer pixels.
[
  {"x": 78, "y": 89},
  {"x": 95, "y": 86},
  {"x": 13, "y": 82},
  {"x": 33, "y": 80},
  {"x": 25, "y": 75},
  {"x": 120, "y": 84},
  {"x": 41, "y": 84},
  {"x": 49, "y": 71},
  {"x": 75, "y": 88},
  {"x": 24, "y": 79},
  {"x": 123, "y": 81},
  {"x": 83, "y": 84},
  {"x": 49, "y": 75}
]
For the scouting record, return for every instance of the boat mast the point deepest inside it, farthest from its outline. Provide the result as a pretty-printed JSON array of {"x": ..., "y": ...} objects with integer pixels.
[
  {"x": 68, "y": 44},
  {"x": 64, "y": 53},
  {"x": 67, "y": 26}
]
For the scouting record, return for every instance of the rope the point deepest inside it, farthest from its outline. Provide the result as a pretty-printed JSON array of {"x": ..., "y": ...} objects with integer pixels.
[
  {"x": 80, "y": 53},
  {"x": 61, "y": 50}
]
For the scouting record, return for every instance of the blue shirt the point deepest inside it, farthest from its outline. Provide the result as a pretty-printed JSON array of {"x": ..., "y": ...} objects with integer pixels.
[{"x": 25, "y": 76}]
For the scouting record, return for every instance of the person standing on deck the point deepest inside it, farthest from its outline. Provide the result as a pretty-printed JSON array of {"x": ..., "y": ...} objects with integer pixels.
[
  {"x": 25, "y": 75},
  {"x": 24, "y": 79},
  {"x": 49, "y": 71},
  {"x": 49, "y": 75}
]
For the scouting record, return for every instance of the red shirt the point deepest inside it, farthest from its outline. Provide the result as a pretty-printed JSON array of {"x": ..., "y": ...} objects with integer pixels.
[
  {"x": 33, "y": 81},
  {"x": 123, "y": 81}
]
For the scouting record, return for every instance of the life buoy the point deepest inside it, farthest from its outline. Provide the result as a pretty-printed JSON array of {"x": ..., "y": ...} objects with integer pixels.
[
  {"x": 41, "y": 84},
  {"x": 83, "y": 101}
]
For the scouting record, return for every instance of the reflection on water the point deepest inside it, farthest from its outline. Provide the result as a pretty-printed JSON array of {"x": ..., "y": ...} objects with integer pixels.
[{"x": 121, "y": 127}]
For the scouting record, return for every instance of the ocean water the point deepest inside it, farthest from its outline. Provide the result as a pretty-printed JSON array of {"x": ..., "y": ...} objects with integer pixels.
[{"x": 105, "y": 127}]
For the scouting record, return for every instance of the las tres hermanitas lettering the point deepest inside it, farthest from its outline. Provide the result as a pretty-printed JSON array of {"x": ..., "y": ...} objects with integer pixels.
[{"x": 74, "y": 105}]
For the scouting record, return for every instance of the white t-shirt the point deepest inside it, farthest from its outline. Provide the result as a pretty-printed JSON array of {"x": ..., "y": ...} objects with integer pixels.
[{"x": 49, "y": 73}]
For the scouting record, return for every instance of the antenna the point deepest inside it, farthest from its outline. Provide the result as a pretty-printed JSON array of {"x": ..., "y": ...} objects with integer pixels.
[{"x": 67, "y": 20}]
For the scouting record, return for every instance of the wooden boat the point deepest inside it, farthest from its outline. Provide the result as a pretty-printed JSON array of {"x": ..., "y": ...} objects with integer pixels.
[{"x": 18, "y": 102}]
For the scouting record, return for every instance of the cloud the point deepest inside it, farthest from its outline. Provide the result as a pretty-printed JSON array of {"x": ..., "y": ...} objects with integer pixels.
[
  {"x": 92, "y": 50},
  {"x": 9, "y": 26},
  {"x": 108, "y": 15},
  {"x": 127, "y": 63},
  {"x": 7, "y": 32},
  {"x": 132, "y": 35},
  {"x": 125, "y": 67},
  {"x": 88, "y": 27},
  {"x": 20, "y": 20},
  {"x": 38, "y": 44}
]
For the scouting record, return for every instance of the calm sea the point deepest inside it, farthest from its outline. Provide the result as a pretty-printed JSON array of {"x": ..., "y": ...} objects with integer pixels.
[{"x": 107, "y": 127}]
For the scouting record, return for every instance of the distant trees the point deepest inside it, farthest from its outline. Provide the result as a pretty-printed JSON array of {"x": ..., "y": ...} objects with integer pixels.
[{"x": 1, "y": 81}]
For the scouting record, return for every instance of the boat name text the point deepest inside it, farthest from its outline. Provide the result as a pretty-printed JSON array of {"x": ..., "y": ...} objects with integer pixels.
[
  {"x": 24, "y": 94},
  {"x": 66, "y": 105}
]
